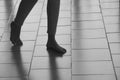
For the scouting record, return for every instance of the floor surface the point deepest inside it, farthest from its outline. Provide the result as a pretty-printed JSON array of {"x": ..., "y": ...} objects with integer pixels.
[{"x": 88, "y": 29}]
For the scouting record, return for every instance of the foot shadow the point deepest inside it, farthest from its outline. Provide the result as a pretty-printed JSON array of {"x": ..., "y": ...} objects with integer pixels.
[
  {"x": 54, "y": 72},
  {"x": 16, "y": 54},
  {"x": 8, "y": 6}
]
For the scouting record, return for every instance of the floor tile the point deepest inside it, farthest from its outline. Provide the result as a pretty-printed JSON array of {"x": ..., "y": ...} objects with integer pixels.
[
  {"x": 112, "y": 28},
  {"x": 51, "y": 74},
  {"x": 91, "y": 33},
  {"x": 19, "y": 78},
  {"x": 3, "y": 3},
  {"x": 5, "y": 10},
  {"x": 110, "y": 5},
  {"x": 111, "y": 19},
  {"x": 87, "y": 29},
  {"x": 15, "y": 57},
  {"x": 65, "y": 7},
  {"x": 114, "y": 37},
  {"x": 91, "y": 55},
  {"x": 104, "y": 67},
  {"x": 116, "y": 59},
  {"x": 3, "y": 16},
  {"x": 94, "y": 77},
  {"x": 86, "y": 9},
  {"x": 110, "y": 12},
  {"x": 32, "y": 19},
  {"x": 86, "y": 17},
  {"x": 85, "y": 3},
  {"x": 30, "y": 27},
  {"x": 89, "y": 43},
  {"x": 37, "y": 9},
  {"x": 118, "y": 73},
  {"x": 62, "y": 14},
  {"x": 65, "y": 1},
  {"x": 1, "y": 31},
  {"x": 51, "y": 62},
  {"x": 87, "y": 25},
  {"x": 13, "y": 70},
  {"x": 115, "y": 48},
  {"x": 27, "y": 46},
  {"x": 109, "y": 0},
  {"x": 3, "y": 24},
  {"x": 28, "y": 36}
]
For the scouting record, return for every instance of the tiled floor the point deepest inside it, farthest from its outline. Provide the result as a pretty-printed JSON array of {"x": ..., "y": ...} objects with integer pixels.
[{"x": 88, "y": 29}]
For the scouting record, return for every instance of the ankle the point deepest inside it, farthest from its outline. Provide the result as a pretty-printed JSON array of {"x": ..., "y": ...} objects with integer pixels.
[
  {"x": 51, "y": 37},
  {"x": 15, "y": 30}
]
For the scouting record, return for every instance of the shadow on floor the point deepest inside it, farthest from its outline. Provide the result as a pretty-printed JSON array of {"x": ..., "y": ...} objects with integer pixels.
[
  {"x": 76, "y": 8},
  {"x": 9, "y": 6},
  {"x": 54, "y": 74},
  {"x": 16, "y": 53},
  {"x": 76, "y": 17}
]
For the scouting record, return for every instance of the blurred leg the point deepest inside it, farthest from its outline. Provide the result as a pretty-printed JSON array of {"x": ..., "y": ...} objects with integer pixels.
[
  {"x": 53, "y": 14},
  {"x": 23, "y": 11}
]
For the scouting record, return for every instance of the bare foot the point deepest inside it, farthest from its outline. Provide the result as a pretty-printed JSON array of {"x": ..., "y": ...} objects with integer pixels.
[
  {"x": 14, "y": 36},
  {"x": 54, "y": 46}
]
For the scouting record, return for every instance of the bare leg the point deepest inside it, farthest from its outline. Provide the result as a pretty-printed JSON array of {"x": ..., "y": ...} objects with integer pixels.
[
  {"x": 53, "y": 14},
  {"x": 23, "y": 11}
]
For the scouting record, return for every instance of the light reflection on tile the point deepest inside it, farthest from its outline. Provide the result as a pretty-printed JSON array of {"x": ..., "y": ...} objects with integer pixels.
[
  {"x": 87, "y": 25},
  {"x": 86, "y": 9},
  {"x": 94, "y": 77},
  {"x": 100, "y": 67},
  {"x": 91, "y": 33},
  {"x": 91, "y": 55},
  {"x": 89, "y": 43}
]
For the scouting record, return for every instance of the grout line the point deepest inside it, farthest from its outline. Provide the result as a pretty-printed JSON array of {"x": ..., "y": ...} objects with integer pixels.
[
  {"x": 108, "y": 41},
  {"x": 36, "y": 40}
]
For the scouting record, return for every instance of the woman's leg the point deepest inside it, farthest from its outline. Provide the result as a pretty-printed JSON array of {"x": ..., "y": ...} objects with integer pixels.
[
  {"x": 53, "y": 14},
  {"x": 23, "y": 11}
]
